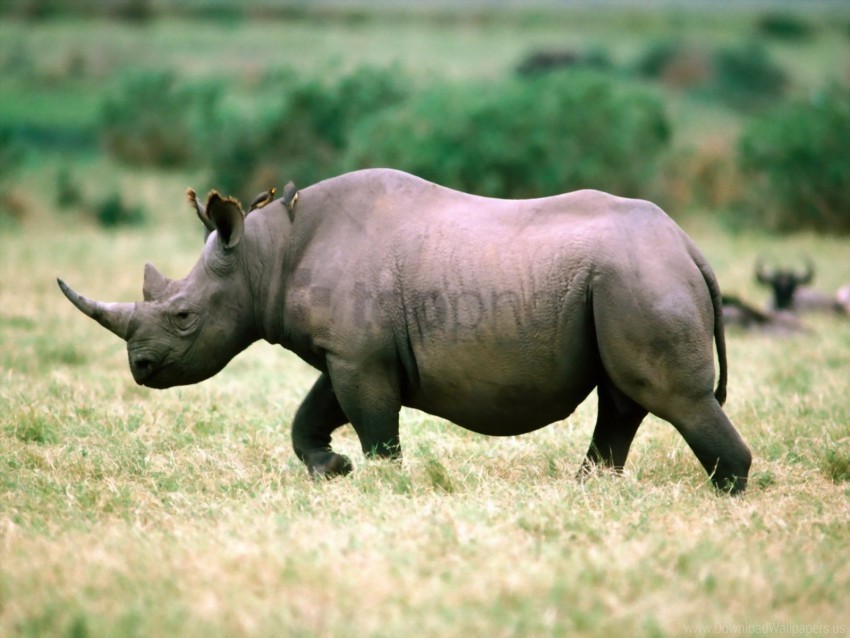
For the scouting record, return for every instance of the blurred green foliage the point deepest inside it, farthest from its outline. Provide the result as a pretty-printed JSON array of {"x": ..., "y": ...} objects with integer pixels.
[
  {"x": 11, "y": 158},
  {"x": 785, "y": 26},
  {"x": 514, "y": 137},
  {"x": 68, "y": 191},
  {"x": 571, "y": 100},
  {"x": 746, "y": 77},
  {"x": 522, "y": 138},
  {"x": 155, "y": 120},
  {"x": 113, "y": 211},
  {"x": 307, "y": 134},
  {"x": 797, "y": 157},
  {"x": 547, "y": 61},
  {"x": 509, "y": 138},
  {"x": 658, "y": 56},
  {"x": 742, "y": 76}
]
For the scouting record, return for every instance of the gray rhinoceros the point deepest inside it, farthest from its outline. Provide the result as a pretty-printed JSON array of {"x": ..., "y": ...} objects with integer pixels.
[{"x": 501, "y": 316}]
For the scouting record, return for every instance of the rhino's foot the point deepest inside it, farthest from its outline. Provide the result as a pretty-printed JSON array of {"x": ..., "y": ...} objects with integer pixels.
[
  {"x": 328, "y": 465},
  {"x": 733, "y": 485},
  {"x": 591, "y": 469}
]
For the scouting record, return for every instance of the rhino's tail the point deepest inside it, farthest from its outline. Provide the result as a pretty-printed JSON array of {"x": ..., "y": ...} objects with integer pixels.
[{"x": 719, "y": 332}]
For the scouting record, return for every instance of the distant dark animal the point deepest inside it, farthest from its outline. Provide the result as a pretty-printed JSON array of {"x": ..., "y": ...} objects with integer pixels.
[
  {"x": 739, "y": 314},
  {"x": 791, "y": 290},
  {"x": 499, "y": 315}
]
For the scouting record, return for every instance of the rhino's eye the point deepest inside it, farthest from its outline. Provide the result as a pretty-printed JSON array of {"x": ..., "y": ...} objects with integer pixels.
[{"x": 183, "y": 319}]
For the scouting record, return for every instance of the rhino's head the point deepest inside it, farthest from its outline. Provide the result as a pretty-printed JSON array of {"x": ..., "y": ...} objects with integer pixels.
[{"x": 185, "y": 331}]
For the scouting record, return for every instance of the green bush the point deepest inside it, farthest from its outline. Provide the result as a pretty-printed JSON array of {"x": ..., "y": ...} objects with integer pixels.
[
  {"x": 799, "y": 166},
  {"x": 522, "y": 138},
  {"x": 153, "y": 120},
  {"x": 11, "y": 158},
  {"x": 131, "y": 10},
  {"x": 305, "y": 136},
  {"x": 658, "y": 56},
  {"x": 355, "y": 97},
  {"x": 745, "y": 77},
  {"x": 68, "y": 191},
  {"x": 784, "y": 26},
  {"x": 114, "y": 211},
  {"x": 549, "y": 60}
]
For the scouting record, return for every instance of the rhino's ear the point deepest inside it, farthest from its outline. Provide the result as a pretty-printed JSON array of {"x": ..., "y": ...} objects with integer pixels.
[
  {"x": 196, "y": 205},
  {"x": 200, "y": 211},
  {"x": 227, "y": 217},
  {"x": 155, "y": 283}
]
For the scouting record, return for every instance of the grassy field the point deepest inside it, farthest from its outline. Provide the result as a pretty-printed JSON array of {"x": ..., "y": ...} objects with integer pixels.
[
  {"x": 125, "y": 511},
  {"x": 131, "y": 512}
]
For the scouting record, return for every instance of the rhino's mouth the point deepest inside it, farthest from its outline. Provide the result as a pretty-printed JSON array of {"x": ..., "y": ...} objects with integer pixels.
[
  {"x": 159, "y": 374},
  {"x": 144, "y": 368}
]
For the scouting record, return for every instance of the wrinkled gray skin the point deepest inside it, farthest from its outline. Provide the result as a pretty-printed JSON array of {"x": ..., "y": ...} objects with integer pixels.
[{"x": 501, "y": 316}]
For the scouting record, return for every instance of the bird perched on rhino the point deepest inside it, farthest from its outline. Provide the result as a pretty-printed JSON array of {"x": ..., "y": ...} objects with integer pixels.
[{"x": 262, "y": 199}]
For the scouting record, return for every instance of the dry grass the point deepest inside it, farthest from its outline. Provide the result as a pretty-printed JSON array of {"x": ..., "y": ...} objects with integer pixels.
[
  {"x": 126, "y": 512},
  {"x": 130, "y": 512}
]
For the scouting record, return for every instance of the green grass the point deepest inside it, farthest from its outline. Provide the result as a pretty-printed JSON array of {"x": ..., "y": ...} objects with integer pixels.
[
  {"x": 131, "y": 512},
  {"x": 126, "y": 511}
]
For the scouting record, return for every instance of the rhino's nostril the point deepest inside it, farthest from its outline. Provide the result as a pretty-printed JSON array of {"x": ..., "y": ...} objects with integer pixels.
[{"x": 142, "y": 366}]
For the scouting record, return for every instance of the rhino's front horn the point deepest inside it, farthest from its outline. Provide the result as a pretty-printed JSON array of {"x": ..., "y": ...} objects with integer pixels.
[{"x": 115, "y": 317}]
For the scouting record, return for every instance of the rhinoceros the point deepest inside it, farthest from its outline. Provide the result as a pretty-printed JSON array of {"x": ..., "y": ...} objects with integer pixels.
[{"x": 498, "y": 315}]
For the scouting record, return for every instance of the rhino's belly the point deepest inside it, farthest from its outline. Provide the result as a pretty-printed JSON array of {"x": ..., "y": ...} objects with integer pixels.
[
  {"x": 504, "y": 397},
  {"x": 488, "y": 415}
]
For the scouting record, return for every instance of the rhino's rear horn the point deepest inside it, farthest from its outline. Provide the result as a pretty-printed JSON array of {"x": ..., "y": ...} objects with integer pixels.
[{"x": 115, "y": 317}]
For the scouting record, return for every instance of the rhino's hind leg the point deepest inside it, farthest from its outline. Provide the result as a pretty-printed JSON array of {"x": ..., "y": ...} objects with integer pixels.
[
  {"x": 661, "y": 358},
  {"x": 317, "y": 417},
  {"x": 617, "y": 422},
  {"x": 702, "y": 423},
  {"x": 700, "y": 420},
  {"x": 715, "y": 442}
]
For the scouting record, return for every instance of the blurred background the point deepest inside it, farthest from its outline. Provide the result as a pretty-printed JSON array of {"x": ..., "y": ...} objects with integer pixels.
[
  {"x": 735, "y": 111},
  {"x": 125, "y": 512}
]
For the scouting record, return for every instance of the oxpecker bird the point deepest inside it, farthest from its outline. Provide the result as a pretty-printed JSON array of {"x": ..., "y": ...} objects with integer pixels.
[{"x": 262, "y": 199}]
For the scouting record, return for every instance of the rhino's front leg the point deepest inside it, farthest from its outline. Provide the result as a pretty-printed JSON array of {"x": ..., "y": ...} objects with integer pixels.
[
  {"x": 317, "y": 417},
  {"x": 369, "y": 395}
]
